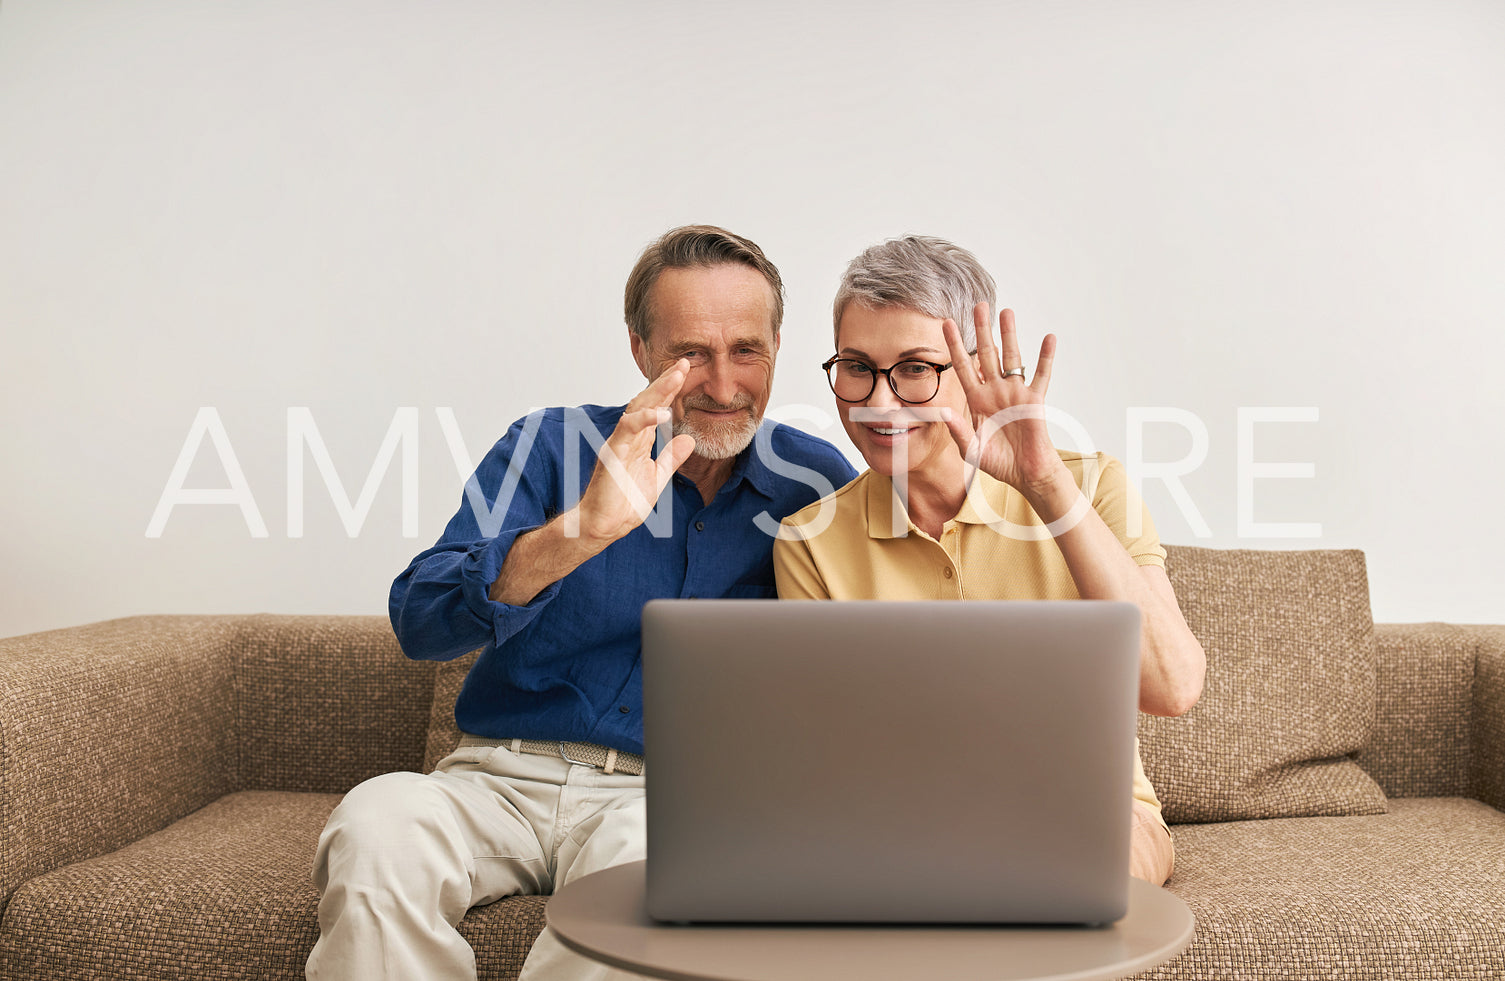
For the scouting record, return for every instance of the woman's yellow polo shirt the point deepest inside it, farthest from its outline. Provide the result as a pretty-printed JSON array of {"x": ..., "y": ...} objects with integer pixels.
[{"x": 858, "y": 543}]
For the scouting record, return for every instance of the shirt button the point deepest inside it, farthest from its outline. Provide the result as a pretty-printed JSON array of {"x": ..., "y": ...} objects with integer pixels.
[
  {"x": 624, "y": 710},
  {"x": 946, "y": 572},
  {"x": 700, "y": 526}
]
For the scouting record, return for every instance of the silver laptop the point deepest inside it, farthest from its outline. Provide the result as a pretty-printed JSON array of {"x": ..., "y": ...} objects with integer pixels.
[{"x": 889, "y": 762}]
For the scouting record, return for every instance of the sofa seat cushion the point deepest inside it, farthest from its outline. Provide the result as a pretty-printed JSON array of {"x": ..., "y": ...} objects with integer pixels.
[
  {"x": 1418, "y": 892},
  {"x": 224, "y": 893}
]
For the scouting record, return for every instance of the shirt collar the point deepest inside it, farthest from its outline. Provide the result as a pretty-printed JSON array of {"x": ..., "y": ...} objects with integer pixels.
[
  {"x": 884, "y": 510},
  {"x": 749, "y": 466},
  {"x": 985, "y": 501}
]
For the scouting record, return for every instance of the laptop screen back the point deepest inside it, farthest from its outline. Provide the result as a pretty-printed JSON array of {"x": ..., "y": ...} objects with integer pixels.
[{"x": 889, "y": 761}]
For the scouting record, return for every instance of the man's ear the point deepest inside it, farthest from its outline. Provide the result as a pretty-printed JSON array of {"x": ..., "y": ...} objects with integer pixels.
[{"x": 639, "y": 353}]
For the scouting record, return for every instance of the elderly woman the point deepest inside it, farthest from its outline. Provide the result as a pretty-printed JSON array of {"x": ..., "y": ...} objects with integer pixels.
[{"x": 965, "y": 495}]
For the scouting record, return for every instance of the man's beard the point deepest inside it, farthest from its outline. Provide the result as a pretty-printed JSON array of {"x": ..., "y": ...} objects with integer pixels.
[{"x": 718, "y": 440}]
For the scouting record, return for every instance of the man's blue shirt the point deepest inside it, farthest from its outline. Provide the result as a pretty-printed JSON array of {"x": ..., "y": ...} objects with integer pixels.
[{"x": 568, "y": 664}]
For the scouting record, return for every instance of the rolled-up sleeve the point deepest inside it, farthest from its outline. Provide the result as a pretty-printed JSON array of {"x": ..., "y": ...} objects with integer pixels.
[{"x": 440, "y": 604}]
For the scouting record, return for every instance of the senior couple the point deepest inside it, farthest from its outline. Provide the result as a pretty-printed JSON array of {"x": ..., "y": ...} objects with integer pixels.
[{"x": 553, "y": 552}]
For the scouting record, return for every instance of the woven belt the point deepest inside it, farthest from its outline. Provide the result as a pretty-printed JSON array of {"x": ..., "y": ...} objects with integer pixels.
[{"x": 603, "y": 758}]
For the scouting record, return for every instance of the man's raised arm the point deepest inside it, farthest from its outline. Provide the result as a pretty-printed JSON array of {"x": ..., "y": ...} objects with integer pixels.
[{"x": 624, "y": 485}]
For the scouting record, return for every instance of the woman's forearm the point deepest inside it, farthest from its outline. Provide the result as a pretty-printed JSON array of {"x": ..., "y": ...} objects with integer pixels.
[{"x": 1172, "y": 664}]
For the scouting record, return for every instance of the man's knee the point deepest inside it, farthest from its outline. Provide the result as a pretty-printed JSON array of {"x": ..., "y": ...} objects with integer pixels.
[
  {"x": 385, "y": 804},
  {"x": 389, "y": 860},
  {"x": 379, "y": 821}
]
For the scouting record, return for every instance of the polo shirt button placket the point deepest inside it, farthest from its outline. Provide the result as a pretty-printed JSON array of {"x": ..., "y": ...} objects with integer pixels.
[{"x": 953, "y": 582}]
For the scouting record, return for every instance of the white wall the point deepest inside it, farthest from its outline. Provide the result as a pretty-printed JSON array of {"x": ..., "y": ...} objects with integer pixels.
[{"x": 356, "y": 207}]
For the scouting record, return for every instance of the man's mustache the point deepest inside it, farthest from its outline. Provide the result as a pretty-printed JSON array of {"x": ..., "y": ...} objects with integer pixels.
[{"x": 744, "y": 401}]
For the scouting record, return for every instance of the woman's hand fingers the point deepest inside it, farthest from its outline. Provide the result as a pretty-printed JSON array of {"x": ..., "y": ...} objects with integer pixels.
[
  {"x": 1008, "y": 340},
  {"x": 1041, "y": 381}
]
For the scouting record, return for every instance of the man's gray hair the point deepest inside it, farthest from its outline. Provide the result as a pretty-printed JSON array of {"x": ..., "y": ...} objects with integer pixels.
[
  {"x": 688, "y": 247},
  {"x": 918, "y": 272}
]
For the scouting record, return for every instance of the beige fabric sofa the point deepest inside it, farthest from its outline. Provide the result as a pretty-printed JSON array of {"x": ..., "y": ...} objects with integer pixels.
[{"x": 163, "y": 780}]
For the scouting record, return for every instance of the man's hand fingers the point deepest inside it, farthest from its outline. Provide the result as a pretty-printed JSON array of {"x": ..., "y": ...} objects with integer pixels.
[
  {"x": 635, "y": 421},
  {"x": 634, "y": 435},
  {"x": 662, "y": 390},
  {"x": 627, "y": 480},
  {"x": 673, "y": 457}
]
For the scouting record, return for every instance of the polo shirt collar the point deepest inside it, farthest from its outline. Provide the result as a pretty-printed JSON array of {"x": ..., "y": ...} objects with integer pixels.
[
  {"x": 985, "y": 502},
  {"x": 882, "y": 503}
]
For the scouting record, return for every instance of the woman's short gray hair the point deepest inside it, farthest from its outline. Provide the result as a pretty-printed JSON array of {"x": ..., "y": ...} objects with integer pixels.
[{"x": 918, "y": 272}]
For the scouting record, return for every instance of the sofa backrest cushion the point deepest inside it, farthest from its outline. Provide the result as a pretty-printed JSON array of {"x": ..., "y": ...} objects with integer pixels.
[
  {"x": 325, "y": 702},
  {"x": 1422, "y": 743},
  {"x": 444, "y": 734},
  {"x": 1290, "y": 692}
]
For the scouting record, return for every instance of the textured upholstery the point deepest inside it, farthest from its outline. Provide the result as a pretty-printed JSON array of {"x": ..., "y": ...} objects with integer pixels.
[
  {"x": 1418, "y": 892},
  {"x": 223, "y": 893},
  {"x": 325, "y": 702},
  {"x": 108, "y": 733},
  {"x": 1290, "y": 691},
  {"x": 225, "y": 890},
  {"x": 502, "y": 934},
  {"x": 1420, "y": 745},
  {"x": 444, "y": 734},
  {"x": 1487, "y": 766}
]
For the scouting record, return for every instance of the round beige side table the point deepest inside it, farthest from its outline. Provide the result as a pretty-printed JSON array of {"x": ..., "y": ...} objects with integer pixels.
[{"x": 604, "y": 917}]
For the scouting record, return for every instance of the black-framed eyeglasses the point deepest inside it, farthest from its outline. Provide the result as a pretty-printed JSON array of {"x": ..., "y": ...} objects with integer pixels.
[{"x": 914, "y": 382}]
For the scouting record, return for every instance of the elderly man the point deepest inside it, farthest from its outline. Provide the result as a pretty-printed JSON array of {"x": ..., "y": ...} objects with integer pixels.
[{"x": 549, "y": 581}]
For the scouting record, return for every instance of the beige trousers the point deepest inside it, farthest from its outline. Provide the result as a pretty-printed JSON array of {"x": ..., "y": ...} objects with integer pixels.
[{"x": 404, "y": 855}]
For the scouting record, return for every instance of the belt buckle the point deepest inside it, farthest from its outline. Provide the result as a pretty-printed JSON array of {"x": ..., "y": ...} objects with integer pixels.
[{"x": 570, "y": 759}]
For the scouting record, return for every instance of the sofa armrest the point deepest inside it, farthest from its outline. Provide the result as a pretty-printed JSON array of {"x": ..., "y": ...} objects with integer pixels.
[
  {"x": 1487, "y": 765},
  {"x": 109, "y": 732},
  {"x": 1420, "y": 743}
]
